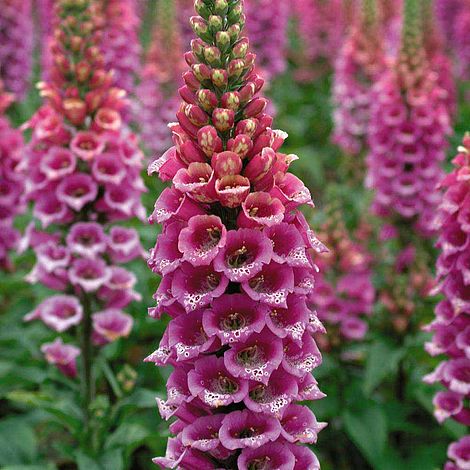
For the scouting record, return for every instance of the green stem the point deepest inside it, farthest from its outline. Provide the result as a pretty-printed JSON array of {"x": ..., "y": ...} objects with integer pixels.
[{"x": 87, "y": 361}]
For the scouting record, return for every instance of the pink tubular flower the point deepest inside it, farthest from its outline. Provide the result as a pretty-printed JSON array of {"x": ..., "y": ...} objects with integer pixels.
[
  {"x": 451, "y": 326},
  {"x": 110, "y": 324},
  {"x": 82, "y": 169},
  {"x": 63, "y": 356},
  {"x": 16, "y": 45},
  {"x": 459, "y": 455},
  {"x": 359, "y": 63},
  {"x": 11, "y": 182},
  {"x": 235, "y": 259},
  {"x": 161, "y": 77},
  {"x": 407, "y": 134}
]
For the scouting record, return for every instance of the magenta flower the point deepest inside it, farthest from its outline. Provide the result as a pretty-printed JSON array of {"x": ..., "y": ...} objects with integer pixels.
[
  {"x": 110, "y": 324},
  {"x": 89, "y": 274},
  {"x": 11, "y": 182},
  {"x": 82, "y": 174},
  {"x": 213, "y": 384},
  {"x": 86, "y": 239},
  {"x": 63, "y": 356},
  {"x": 16, "y": 39},
  {"x": 202, "y": 239},
  {"x": 233, "y": 318},
  {"x": 241, "y": 429},
  {"x": 458, "y": 453},
  {"x": 451, "y": 326},
  {"x": 234, "y": 255},
  {"x": 271, "y": 455},
  {"x": 59, "y": 312},
  {"x": 407, "y": 136},
  {"x": 244, "y": 254}
]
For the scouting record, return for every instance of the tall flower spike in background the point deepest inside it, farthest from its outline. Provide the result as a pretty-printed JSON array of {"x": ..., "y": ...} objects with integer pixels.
[
  {"x": 234, "y": 256},
  {"x": 344, "y": 294},
  {"x": 16, "y": 45},
  {"x": 462, "y": 41},
  {"x": 83, "y": 173},
  {"x": 358, "y": 66},
  {"x": 120, "y": 42},
  {"x": 157, "y": 93},
  {"x": 408, "y": 128},
  {"x": 321, "y": 26},
  {"x": 439, "y": 61},
  {"x": 451, "y": 326},
  {"x": 268, "y": 34},
  {"x": 11, "y": 182},
  {"x": 45, "y": 12}
]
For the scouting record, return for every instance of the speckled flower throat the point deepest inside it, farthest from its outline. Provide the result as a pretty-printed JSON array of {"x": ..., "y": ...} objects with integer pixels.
[{"x": 235, "y": 259}]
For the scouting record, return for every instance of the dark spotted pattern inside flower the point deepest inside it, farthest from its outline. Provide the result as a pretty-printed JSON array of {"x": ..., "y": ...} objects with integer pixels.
[
  {"x": 251, "y": 356},
  {"x": 263, "y": 463},
  {"x": 224, "y": 385},
  {"x": 233, "y": 321}
]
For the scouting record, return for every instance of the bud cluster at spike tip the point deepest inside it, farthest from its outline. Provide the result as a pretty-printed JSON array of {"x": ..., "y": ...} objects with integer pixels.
[
  {"x": 235, "y": 259},
  {"x": 359, "y": 64},
  {"x": 82, "y": 169},
  {"x": 267, "y": 29},
  {"x": 451, "y": 326},
  {"x": 321, "y": 25},
  {"x": 409, "y": 125},
  {"x": 16, "y": 45},
  {"x": 344, "y": 293},
  {"x": 120, "y": 42},
  {"x": 157, "y": 94},
  {"x": 11, "y": 181}
]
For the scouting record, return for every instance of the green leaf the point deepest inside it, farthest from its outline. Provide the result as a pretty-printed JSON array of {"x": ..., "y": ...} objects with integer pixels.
[
  {"x": 112, "y": 459},
  {"x": 49, "y": 466},
  {"x": 85, "y": 462},
  {"x": 367, "y": 428},
  {"x": 17, "y": 442},
  {"x": 128, "y": 436},
  {"x": 382, "y": 360}
]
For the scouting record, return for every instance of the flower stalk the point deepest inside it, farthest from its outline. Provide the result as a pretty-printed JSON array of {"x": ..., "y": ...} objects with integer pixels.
[{"x": 235, "y": 256}]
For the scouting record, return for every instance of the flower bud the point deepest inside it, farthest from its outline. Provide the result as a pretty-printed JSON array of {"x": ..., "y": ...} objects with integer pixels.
[
  {"x": 219, "y": 78},
  {"x": 231, "y": 100},
  {"x": 202, "y": 72},
  {"x": 223, "y": 119},
  {"x": 212, "y": 55},
  {"x": 75, "y": 110},
  {"x": 255, "y": 107},
  {"x": 196, "y": 115},
  {"x": 208, "y": 140},
  {"x": 215, "y": 23},
  {"x": 207, "y": 99},
  {"x": 226, "y": 163}
]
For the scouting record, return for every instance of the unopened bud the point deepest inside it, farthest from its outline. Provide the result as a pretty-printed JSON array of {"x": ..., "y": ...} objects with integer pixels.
[
  {"x": 223, "y": 119},
  {"x": 219, "y": 78}
]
